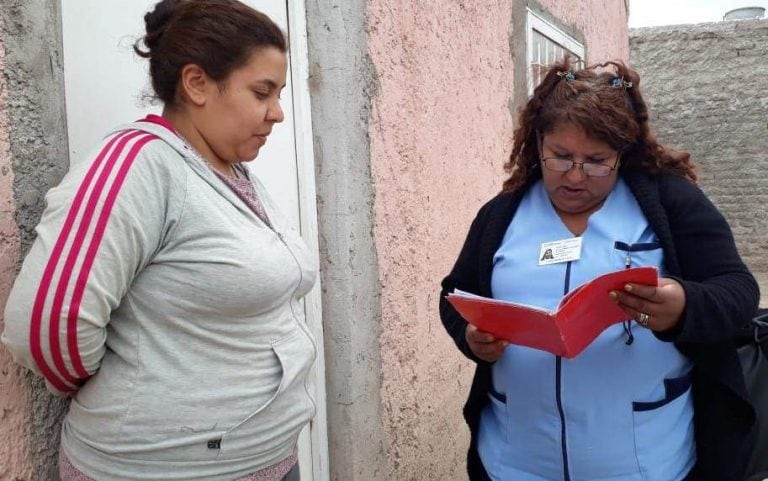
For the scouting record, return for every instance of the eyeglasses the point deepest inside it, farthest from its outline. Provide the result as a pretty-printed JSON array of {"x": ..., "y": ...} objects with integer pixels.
[{"x": 590, "y": 169}]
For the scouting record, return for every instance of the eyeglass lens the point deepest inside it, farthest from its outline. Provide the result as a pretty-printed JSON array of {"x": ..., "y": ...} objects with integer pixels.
[{"x": 590, "y": 168}]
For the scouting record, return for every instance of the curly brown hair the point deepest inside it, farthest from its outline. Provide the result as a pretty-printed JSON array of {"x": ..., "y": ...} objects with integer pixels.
[{"x": 606, "y": 102}]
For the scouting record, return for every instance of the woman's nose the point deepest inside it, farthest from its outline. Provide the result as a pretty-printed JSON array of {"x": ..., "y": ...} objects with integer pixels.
[
  {"x": 275, "y": 113},
  {"x": 576, "y": 173}
]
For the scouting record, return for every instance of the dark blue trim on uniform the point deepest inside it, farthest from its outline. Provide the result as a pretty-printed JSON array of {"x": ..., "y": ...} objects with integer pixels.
[
  {"x": 559, "y": 389},
  {"x": 643, "y": 246},
  {"x": 502, "y": 398},
  {"x": 673, "y": 389}
]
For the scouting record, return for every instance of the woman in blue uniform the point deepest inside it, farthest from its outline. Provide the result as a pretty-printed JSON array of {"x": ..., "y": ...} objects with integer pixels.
[{"x": 657, "y": 398}]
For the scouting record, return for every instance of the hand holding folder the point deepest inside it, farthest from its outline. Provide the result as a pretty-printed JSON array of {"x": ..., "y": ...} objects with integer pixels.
[{"x": 580, "y": 317}]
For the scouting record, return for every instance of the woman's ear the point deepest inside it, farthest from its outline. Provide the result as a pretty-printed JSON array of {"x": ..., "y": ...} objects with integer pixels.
[{"x": 194, "y": 84}]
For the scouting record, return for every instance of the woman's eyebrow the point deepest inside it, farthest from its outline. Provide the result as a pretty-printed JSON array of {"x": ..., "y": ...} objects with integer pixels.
[
  {"x": 599, "y": 153},
  {"x": 271, "y": 83}
]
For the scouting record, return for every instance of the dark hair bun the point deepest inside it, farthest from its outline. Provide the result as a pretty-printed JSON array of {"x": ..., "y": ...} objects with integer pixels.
[
  {"x": 155, "y": 23},
  {"x": 216, "y": 35}
]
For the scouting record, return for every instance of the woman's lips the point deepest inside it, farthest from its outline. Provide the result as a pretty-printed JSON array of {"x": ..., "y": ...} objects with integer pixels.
[{"x": 570, "y": 192}]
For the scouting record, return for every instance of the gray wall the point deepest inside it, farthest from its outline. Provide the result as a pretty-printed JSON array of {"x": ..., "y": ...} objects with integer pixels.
[
  {"x": 707, "y": 88},
  {"x": 342, "y": 84},
  {"x": 34, "y": 75}
]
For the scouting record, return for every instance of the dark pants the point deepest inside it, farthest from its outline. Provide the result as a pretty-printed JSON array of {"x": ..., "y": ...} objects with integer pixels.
[{"x": 293, "y": 474}]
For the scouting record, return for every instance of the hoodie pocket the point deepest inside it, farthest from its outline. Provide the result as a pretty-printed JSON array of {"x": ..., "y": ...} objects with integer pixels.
[{"x": 276, "y": 423}]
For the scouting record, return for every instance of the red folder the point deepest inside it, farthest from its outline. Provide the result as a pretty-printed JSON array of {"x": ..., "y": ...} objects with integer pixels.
[{"x": 580, "y": 317}]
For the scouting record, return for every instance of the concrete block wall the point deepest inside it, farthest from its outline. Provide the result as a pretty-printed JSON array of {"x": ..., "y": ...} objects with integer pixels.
[{"x": 707, "y": 88}]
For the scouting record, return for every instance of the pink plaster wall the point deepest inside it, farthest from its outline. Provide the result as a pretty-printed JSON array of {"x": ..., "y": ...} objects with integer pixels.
[
  {"x": 14, "y": 464},
  {"x": 602, "y": 22},
  {"x": 440, "y": 131}
]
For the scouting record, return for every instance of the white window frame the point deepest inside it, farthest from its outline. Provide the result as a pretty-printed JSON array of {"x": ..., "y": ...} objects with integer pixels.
[{"x": 536, "y": 22}]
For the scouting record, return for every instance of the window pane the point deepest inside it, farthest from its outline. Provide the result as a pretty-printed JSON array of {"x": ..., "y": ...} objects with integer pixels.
[{"x": 545, "y": 52}]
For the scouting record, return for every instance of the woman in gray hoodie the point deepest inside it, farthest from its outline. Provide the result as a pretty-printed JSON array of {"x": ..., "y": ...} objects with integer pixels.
[{"x": 162, "y": 291}]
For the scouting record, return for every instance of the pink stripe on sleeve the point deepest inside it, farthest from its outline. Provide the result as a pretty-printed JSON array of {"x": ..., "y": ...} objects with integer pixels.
[
  {"x": 50, "y": 268},
  {"x": 74, "y": 253},
  {"x": 93, "y": 248}
]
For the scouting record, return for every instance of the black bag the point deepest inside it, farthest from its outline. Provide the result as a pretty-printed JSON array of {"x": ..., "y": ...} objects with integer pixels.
[{"x": 753, "y": 354}]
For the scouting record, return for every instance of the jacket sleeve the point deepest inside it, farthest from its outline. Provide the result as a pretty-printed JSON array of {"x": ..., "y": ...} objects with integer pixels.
[
  {"x": 464, "y": 276},
  {"x": 100, "y": 227},
  {"x": 721, "y": 293}
]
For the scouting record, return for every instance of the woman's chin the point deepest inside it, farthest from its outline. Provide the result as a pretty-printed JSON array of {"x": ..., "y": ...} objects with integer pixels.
[
  {"x": 254, "y": 152},
  {"x": 574, "y": 207},
  {"x": 248, "y": 156}
]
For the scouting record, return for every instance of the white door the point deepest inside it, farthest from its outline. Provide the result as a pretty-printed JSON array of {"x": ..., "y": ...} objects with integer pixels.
[{"x": 107, "y": 85}]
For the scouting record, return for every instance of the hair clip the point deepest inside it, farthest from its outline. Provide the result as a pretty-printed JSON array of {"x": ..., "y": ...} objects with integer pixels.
[
  {"x": 619, "y": 82},
  {"x": 567, "y": 75}
]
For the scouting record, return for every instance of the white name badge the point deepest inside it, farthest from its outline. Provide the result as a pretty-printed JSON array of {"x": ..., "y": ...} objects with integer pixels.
[{"x": 560, "y": 251}]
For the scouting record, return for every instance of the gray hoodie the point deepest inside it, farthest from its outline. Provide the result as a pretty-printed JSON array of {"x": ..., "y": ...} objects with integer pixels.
[{"x": 158, "y": 300}]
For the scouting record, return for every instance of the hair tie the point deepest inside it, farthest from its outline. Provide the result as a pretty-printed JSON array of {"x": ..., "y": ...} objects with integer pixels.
[
  {"x": 567, "y": 75},
  {"x": 619, "y": 82}
]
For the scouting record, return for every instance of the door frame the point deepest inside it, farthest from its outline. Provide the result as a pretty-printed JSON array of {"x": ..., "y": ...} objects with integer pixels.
[{"x": 305, "y": 160}]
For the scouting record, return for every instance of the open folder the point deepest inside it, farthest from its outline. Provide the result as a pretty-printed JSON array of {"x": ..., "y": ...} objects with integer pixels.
[{"x": 580, "y": 317}]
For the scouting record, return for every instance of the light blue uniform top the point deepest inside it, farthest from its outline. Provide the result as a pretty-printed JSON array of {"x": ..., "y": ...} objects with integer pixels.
[{"x": 616, "y": 412}]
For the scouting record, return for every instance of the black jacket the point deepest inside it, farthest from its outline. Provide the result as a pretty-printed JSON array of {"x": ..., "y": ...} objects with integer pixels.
[{"x": 721, "y": 296}]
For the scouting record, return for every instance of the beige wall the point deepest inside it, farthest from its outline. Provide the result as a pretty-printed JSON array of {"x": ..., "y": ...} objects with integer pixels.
[
  {"x": 440, "y": 131},
  {"x": 13, "y": 391},
  {"x": 33, "y": 157}
]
